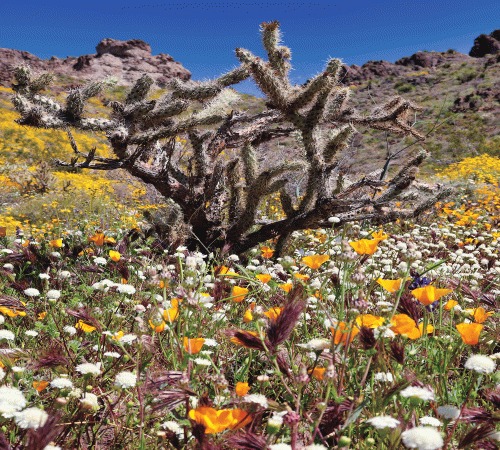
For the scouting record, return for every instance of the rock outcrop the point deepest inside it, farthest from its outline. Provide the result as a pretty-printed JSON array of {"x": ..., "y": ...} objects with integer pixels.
[
  {"x": 124, "y": 59},
  {"x": 486, "y": 44}
]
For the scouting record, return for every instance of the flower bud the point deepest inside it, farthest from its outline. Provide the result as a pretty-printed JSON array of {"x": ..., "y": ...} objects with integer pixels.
[
  {"x": 344, "y": 441},
  {"x": 274, "y": 424}
]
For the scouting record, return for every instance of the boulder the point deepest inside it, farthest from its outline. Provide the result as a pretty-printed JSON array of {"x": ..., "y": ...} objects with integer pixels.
[{"x": 486, "y": 44}]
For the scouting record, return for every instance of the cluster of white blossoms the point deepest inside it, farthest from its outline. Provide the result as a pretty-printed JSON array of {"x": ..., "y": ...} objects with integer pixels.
[
  {"x": 480, "y": 364},
  {"x": 422, "y": 438},
  {"x": 31, "y": 418},
  {"x": 126, "y": 380},
  {"x": 89, "y": 369},
  {"x": 12, "y": 400},
  {"x": 417, "y": 392}
]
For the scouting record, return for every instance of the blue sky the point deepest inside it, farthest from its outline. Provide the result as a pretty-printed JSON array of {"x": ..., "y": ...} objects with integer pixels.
[{"x": 203, "y": 35}]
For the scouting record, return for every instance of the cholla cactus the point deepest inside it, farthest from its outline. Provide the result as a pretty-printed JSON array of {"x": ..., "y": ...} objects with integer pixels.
[{"x": 219, "y": 200}]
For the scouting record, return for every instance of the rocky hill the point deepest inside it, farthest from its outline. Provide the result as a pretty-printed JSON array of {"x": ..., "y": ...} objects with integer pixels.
[{"x": 466, "y": 87}]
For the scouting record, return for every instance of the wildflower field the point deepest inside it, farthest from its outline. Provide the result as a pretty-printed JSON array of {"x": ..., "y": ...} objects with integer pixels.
[{"x": 360, "y": 337}]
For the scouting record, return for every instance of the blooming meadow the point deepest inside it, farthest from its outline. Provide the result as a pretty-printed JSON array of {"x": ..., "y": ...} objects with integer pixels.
[{"x": 360, "y": 337}]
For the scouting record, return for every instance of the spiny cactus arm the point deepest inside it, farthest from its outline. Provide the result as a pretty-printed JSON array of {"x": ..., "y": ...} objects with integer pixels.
[
  {"x": 338, "y": 140},
  {"x": 403, "y": 178},
  {"x": 255, "y": 192},
  {"x": 26, "y": 86},
  {"x": 264, "y": 77},
  {"x": 209, "y": 89},
  {"x": 323, "y": 82},
  {"x": 287, "y": 203},
  {"x": 200, "y": 155},
  {"x": 140, "y": 89},
  {"x": 250, "y": 164},
  {"x": 235, "y": 190},
  {"x": 336, "y": 103}
]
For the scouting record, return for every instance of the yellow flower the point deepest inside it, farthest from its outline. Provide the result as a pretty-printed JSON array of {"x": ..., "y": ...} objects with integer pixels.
[
  {"x": 418, "y": 332},
  {"x": 216, "y": 421},
  {"x": 171, "y": 314},
  {"x": 315, "y": 261},
  {"x": 115, "y": 256},
  {"x": 56, "y": 243},
  {"x": 242, "y": 389},
  {"x": 83, "y": 326},
  {"x": 193, "y": 346},
  {"x": 248, "y": 317},
  {"x": 41, "y": 316},
  {"x": 118, "y": 335},
  {"x": 470, "y": 332},
  {"x": 379, "y": 235},
  {"x": 429, "y": 294},
  {"x": 239, "y": 293},
  {"x": 301, "y": 277},
  {"x": 11, "y": 312}
]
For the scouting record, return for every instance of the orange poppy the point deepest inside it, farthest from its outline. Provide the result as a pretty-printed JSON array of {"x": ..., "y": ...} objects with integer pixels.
[
  {"x": 480, "y": 315},
  {"x": 118, "y": 335},
  {"x": 365, "y": 246},
  {"x": 263, "y": 277},
  {"x": 170, "y": 314},
  {"x": 301, "y": 277},
  {"x": 158, "y": 328},
  {"x": 242, "y": 389},
  {"x": 223, "y": 270},
  {"x": 273, "y": 313},
  {"x": 239, "y": 293},
  {"x": 318, "y": 373},
  {"x": 315, "y": 261},
  {"x": 418, "y": 332},
  {"x": 450, "y": 304},
  {"x": 286, "y": 287},
  {"x": 216, "y": 421},
  {"x": 429, "y": 294},
  {"x": 266, "y": 252},
  {"x": 42, "y": 316},
  {"x": 99, "y": 239},
  {"x": 390, "y": 285},
  {"x": 470, "y": 332},
  {"x": 193, "y": 346},
  {"x": 40, "y": 385},
  {"x": 340, "y": 332},
  {"x": 402, "y": 324},
  {"x": 369, "y": 321},
  {"x": 236, "y": 341}
]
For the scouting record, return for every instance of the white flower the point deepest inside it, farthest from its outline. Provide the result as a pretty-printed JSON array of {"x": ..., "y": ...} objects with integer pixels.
[
  {"x": 480, "y": 364},
  {"x": 61, "y": 383},
  {"x": 32, "y": 333},
  {"x": 125, "y": 289},
  {"x": 280, "y": 446},
  {"x": 2, "y": 373},
  {"x": 53, "y": 293},
  {"x": 32, "y": 292},
  {"x": 89, "y": 401},
  {"x": 100, "y": 260},
  {"x": 449, "y": 411},
  {"x": 64, "y": 274},
  {"x": 383, "y": 331},
  {"x": 2, "y": 319},
  {"x": 384, "y": 377},
  {"x": 51, "y": 447},
  {"x": 11, "y": 401},
  {"x": 55, "y": 254},
  {"x": 256, "y": 398},
  {"x": 421, "y": 393},
  {"x": 128, "y": 338},
  {"x": 332, "y": 220},
  {"x": 31, "y": 418},
  {"x": 126, "y": 380},
  {"x": 202, "y": 361},
  {"x": 6, "y": 251},
  {"x": 6, "y": 334},
  {"x": 381, "y": 422},
  {"x": 88, "y": 368},
  {"x": 70, "y": 330},
  {"x": 172, "y": 426},
  {"x": 429, "y": 420},
  {"x": 422, "y": 438},
  {"x": 8, "y": 266},
  {"x": 44, "y": 276},
  {"x": 112, "y": 354}
]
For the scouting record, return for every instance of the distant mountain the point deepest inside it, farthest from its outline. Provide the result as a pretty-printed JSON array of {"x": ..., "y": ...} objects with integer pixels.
[{"x": 470, "y": 83}]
